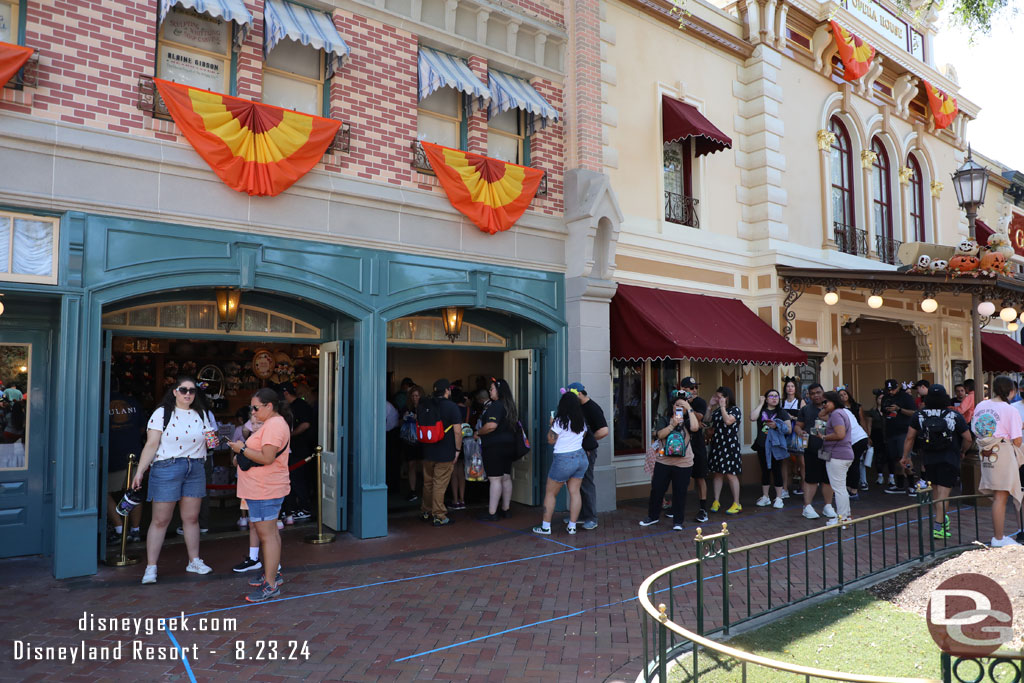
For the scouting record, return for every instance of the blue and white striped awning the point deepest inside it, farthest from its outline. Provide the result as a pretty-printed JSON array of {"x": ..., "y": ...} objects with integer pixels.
[
  {"x": 283, "y": 19},
  {"x": 229, "y": 10},
  {"x": 440, "y": 70},
  {"x": 511, "y": 92}
]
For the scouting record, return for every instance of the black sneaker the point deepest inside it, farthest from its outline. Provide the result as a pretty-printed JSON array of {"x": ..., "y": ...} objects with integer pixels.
[
  {"x": 502, "y": 514},
  {"x": 893, "y": 488},
  {"x": 669, "y": 515},
  {"x": 426, "y": 516},
  {"x": 647, "y": 521},
  {"x": 487, "y": 517},
  {"x": 442, "y": 522},
  {"x": 302, "y": 514},
  {"x": 412, "y": 497},
  {"x": 702, "y": 515},
  {"x": 247, "y": 565}
]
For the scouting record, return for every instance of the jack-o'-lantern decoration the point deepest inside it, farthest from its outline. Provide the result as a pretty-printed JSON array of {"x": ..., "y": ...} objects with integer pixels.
[
  {"x": 964, "y": 263},
  {"x": 993, "y": 261}
]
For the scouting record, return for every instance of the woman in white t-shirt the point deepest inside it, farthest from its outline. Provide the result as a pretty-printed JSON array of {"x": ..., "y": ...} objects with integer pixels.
[
  {"x": 570, "y": 464},
  {"x": 175, "y": 454}
]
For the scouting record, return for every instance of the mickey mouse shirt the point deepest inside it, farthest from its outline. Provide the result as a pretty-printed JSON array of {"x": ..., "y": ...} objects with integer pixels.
[{"x": 183, "y": 437}]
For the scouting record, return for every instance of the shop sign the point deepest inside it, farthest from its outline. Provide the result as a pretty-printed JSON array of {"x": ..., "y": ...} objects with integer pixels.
[
  {"x": 888, "y": 25},
  {"x": 192, "y": 68},
  {"x": 1016, "y": 231},
  {"x": 189, "y": 27}
]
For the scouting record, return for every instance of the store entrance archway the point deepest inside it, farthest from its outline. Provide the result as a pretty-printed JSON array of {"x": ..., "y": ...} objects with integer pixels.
[
  {"x": 874, "y": 351},
  {"x": 274, "y": 340}
]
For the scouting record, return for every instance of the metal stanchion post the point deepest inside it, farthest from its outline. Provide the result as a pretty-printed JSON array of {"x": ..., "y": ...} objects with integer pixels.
[
  {"x": 123, "y": 560},
  {"x": 319, "y": 537}
]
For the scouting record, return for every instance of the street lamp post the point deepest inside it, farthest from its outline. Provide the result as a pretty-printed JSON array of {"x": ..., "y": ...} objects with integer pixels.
[{"x": 970, "y": 182}]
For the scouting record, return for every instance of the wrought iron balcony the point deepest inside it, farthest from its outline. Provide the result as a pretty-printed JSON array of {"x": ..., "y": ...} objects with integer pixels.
[
  {"x": 28, "y": 75},
  {"x": 886, "y": 248},
  {"x": 149, "y": 98},
  {"x": 850, "y": 240},
  {"x": 681, "y": 209}
]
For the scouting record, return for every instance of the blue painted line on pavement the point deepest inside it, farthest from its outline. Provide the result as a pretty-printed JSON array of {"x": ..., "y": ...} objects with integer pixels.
[
  {"x": 184, "y": 657},
  {"x": 527, "y": 533}
]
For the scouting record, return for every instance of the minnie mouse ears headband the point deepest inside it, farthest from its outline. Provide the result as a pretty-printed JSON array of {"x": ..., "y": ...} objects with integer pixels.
[
  {"x": 563, "y": 390},
  {"x": 842, "y": 387},
  {"x": 790, "y": 379}
]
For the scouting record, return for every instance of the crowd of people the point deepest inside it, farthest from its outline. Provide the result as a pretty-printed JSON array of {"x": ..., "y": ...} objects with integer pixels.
[{"x": 911, "y": 432}]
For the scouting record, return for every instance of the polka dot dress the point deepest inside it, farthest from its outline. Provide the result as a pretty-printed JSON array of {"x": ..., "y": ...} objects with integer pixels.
[{"x": 724, "y": 453}]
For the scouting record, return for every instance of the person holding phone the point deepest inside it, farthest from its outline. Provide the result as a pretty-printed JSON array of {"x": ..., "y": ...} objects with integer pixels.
[
  {"x": 770, "y": 444},
  {"x": 675, "y": 460},
  {"x": 724, "y": 458}
]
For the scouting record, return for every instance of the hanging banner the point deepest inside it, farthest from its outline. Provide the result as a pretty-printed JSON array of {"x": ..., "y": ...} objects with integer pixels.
[
  {"x": 944, "y": 108},
  {"x": 491, "y": 193},
  {"x": 12, "y": 58},
  {"x": 855, "y": 53},
  {"x": 254, "y": 148}
]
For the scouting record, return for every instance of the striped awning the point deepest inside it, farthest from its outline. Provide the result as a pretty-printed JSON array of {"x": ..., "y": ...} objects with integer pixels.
[
  {"x": 441, "y": 70},
  {"x": 229, "y": 10},
  {"x": 511, "y": 92},
  {"x": 283, "y": 19}
]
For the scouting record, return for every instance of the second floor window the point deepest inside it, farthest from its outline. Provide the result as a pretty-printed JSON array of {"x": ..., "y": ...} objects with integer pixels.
[
  {"x": 678, "y": 177},
  {"x": 10, "y": 14},
  {"x": 842, "y": 175},
  {"x": 881, "y": 189},
  {"x": 194, "y": 49},
  {"x": 505, "y": 137},
  {"x": 293, "y": 77},
  {"x": 439, "y": 118},
  {"x": 916, "y": 200}
]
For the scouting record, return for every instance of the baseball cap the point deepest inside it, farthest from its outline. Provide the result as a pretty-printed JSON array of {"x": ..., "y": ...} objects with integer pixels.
[
  {"x": 578, "y": 387},
  {"x": 938, "y": 389},
  {"x": 286, "y": 386},
  {"x": 689, "y": 383},
  {"x": 441, "y": 386},
  {"x": 891, "y": 384}
]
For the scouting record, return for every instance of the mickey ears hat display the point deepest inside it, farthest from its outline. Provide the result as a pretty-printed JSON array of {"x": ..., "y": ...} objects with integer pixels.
[{"x": 689, "y": 383}]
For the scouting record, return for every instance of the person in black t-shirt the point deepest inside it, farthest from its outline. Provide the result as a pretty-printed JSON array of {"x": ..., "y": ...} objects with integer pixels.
[
  {"x": 303, "y": 440},
  {"x": 439, "y": 457},
  {"x": 688, "y": 390},
  {"x": 597, "y": 429},
  {"x": 897, "y": 409},
  {"x": 497, "y": 447}
]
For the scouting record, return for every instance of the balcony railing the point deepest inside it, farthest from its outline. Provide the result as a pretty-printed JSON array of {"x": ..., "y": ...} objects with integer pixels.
[
  {"x": 886, "y": 248},
  {"x": 850, "y": 240},
  {"x": 421, "y": 164},
  {"x": 149, "y": 98},
  {"x": 681, "y": 209},
  {"x": 27, "y": 75}
]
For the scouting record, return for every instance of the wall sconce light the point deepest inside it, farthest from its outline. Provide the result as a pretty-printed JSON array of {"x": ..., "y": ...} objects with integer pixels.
[
  {"x": 831, "y": 297},
  {"x": 451, "y": 317},
  {"x": 227, "y": 307},
  {"x": 875, "y": 301},
  {"x": 929, "y": 304}
]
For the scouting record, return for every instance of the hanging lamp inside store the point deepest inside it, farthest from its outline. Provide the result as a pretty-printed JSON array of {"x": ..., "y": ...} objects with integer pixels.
[
  {"x": 227, "y": 307},
  {"x": 452, "y": 319}
]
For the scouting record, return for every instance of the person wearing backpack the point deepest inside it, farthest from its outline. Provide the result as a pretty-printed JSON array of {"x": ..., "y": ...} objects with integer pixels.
[
  {"x": 674, "y": 463},
  {"x": 773, "y": 426},
  {"x": 439, "y": 431},
  {"x": 412, "y": 452},
  {"x": 943, "y": 436},
  {"x": 569, "y": 466}
]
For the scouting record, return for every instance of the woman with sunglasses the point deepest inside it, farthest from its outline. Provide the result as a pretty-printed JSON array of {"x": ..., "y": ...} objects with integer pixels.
[
  {"x": 263, "y": 482},
  {"x": 174, "y": 454}
]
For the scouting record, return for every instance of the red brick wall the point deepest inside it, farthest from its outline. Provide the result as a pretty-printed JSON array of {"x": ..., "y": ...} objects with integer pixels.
[
  {"x": 93, "y": 51},
  {"x": 583, "y": 65}
]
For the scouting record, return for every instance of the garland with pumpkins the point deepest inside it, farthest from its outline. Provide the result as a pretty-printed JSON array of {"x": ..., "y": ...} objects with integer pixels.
[{"x": 967, "y": 259}]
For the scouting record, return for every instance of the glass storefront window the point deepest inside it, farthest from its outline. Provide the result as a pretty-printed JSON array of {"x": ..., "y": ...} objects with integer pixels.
[
  {"x": 14, "y": 367},
  {"x": 195, "y": 49},
  {"x": 628, "y": 399},
  {"x": 665, "y": 375}
]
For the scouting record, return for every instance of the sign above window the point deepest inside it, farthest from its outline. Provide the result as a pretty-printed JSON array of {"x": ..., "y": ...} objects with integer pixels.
[{"x": 888, "y": 25}]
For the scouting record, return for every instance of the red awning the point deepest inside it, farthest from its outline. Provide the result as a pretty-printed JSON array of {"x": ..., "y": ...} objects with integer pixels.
[
  {"x": 680, "y": 121},
  {"x": 982, "y": 231},
  {"x": 1001, "y": 353},
  {"x": 653, "y": 324}
]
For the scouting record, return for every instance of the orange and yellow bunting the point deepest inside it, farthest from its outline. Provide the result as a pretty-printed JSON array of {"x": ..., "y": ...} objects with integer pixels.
[
  {"x": 855, "y": 53},
  {"x": 12, "y": 58},
  {"x": 944, "y": 108},
  {"x": 255, "y": 148},
  {"x": 491, "y": 193}
]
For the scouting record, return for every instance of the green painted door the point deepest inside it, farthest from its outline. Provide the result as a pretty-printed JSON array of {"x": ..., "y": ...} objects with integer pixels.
[
  {"x": 332, "y": 425},
  {"x": 521, "y": 368},
  {"x": 23, "y": 448}
]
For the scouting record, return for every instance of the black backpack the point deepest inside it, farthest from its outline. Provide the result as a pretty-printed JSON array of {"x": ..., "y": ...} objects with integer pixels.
[{"x": 935, "y": 433}]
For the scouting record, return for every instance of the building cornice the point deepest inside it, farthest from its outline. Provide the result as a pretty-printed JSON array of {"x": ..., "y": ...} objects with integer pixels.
[{"x": 694, "y": 25}]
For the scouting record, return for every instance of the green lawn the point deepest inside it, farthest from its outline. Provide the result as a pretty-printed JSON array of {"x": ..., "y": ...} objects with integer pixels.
[{"x": 854, "y": 632}]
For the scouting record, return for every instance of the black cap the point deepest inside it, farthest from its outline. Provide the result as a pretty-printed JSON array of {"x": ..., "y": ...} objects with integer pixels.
[
  {"x": 441, "y": 386},
  {"x": 891, "y": 384},
  {"x": 689, "y": 383},
  {"x": 286, "y": 387}
]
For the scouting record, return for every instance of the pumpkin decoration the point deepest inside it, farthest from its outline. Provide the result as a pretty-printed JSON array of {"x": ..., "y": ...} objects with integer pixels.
[
  {"x": 964, "y": 263},
  {"x": 993, "y": 262},
  {"x": 967, "y": 247}
]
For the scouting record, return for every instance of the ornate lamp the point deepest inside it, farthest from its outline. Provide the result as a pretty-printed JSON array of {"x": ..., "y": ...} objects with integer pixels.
[
  {"x": 451, "y": 317},
  {"x": 970, "y": 182},
  {"x": 227, "y": 307}
]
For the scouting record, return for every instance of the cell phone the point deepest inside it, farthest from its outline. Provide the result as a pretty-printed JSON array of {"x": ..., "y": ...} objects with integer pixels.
[
  {"x": 552, "y": 415},
  {"x": 679, "y": 412}
]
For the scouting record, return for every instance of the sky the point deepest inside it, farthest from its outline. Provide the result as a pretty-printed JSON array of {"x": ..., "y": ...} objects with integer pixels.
[{"x": 988, "y": 75}]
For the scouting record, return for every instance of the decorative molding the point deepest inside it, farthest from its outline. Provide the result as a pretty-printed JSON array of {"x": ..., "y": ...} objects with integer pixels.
[
  {"x": 922, "y": 334},
  {"x": 868, "y": 158},
  {"x": 904, "y": 89},
  {"x": 867, "y": 82},
  {"x": 936, "y": 189},
  {"x": 826, "y": 139},
  {"x": 709, "y": 33},
  {"x": 906, "y": 174}
]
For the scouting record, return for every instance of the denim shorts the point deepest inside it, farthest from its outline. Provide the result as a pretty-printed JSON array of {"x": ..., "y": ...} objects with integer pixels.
[
  {"x": 566, "y": 466},
  {"x": 264, "y": 510},
  {"x": 176, "y": 478}
]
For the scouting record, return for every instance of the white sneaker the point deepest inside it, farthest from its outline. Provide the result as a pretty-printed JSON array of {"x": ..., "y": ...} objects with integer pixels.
[
  {"x": 832, "y": 521},
  {"x": 881, "y": 479},
  {"x": 150, "y": 575},
  {"x": 995, "y": 542},
  {"x": 197, "y": 566},
  {"x": 785, "y": 494},
  {"x": 777, "y": 504},
  {"x": 763, "y": 502},
  {"x": 809, "y": 512},
  {"x": 280, "y": 525},
  {"x": 828, "y": 511},
  {"x": 243, "y": 522}
]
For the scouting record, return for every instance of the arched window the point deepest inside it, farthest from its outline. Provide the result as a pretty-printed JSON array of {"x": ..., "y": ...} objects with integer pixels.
[
  {"x": 916, "y": 200},
  {"x": 843, "y": 216},
  {"x": 881, "y": 187}
]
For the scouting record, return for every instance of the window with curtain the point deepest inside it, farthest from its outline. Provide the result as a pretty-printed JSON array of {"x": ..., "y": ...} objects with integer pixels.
[
  {"x": 881, "y": 190},
  {"x": 916, "y": 200},
  {"x": 194, "y": 49},
  {"x": 439, "y": 118},
  {"x": 677, "y": 170},
  {"x": 842, "y": 175},
  {"x": 665, "y": 375},
  {"x": 28, "y": 248},
  {"x": 628, "y": 406},
  {"x": 293, "y": 77},
  {"x": 506, "y": 136}
]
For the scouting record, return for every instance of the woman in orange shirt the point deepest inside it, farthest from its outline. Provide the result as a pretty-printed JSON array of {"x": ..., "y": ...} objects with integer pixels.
[{"x": 263, "y": 482}]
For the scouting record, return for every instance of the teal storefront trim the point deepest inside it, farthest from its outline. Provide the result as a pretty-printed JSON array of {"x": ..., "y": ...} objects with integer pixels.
[{"x": 109, "y": 263}]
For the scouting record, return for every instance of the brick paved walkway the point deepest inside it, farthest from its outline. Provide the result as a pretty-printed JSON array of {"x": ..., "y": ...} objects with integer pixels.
[{"x": 473, "y": 601}]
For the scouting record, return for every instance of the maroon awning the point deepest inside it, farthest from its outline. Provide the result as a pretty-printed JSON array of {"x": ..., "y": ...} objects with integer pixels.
[
  {"x": 1001, "y": 353},
  {"x": 680, "y": 121},
  {"x": 653, "y": 324},
  {"x": 982, "y": 231}
]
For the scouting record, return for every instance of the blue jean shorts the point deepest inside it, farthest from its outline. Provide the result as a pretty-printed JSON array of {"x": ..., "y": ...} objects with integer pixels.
[
  {"x": 176, "y": 478},
  {"x": 264, "y": 510},
  {"x": 566, "y": 466}
]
